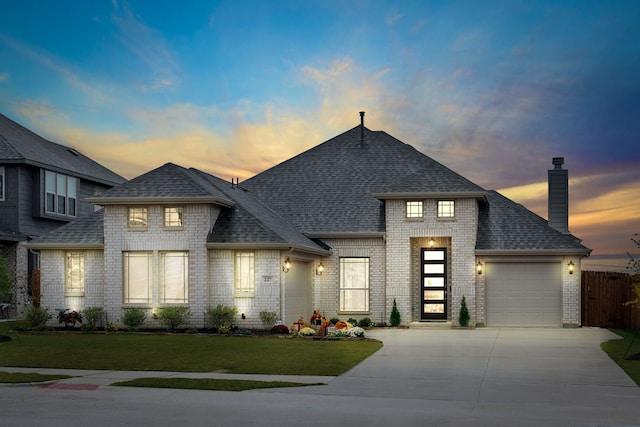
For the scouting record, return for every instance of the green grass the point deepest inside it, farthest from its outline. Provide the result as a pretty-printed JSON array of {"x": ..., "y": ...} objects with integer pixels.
[
  {"x": 619, "y": 351},
  {"x": 184, "y": 353},
  {"x": 21, "y": 377},
  {"x": 209, "y": 384}
]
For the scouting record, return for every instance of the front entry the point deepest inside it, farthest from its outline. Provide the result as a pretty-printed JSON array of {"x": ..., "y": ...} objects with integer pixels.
[
  {"x": 433, "y": 267},
  {"x": 297, "y": 292}
]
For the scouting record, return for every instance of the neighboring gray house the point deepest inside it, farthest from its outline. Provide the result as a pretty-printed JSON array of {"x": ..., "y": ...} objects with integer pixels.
[
  {"x": 43, "y": 185},
  {"x": 346, "y": 227}
]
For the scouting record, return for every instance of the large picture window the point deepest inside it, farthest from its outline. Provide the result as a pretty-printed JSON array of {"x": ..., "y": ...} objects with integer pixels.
[
  {"x": 245, "y": 273},
  {"x": 74, "y": 268},
  {"x": 137, "y": 277},
  {"x": 60, "y": 194},
  {"x": 174, "y": 273},
  {"x": 354, "y": 284}
]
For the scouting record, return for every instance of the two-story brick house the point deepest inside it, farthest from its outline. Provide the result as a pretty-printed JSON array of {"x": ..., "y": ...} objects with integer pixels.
[
  {"x": 346, "y": 227},
  {"x": 43, "y": 185}
]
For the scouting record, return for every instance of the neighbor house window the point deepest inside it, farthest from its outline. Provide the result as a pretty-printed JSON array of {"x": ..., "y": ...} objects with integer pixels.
[
  {"x": 354, "y": 284},
  {"x": 137, "y": 217},
  {"x": 173, "y": 217},
  {"x": 74, "y": 267},
  {"x": 60, "y": 194},
  {"x": 2, "y": 182},
  {"x": 174, "y": 272},
  {"x": 446, "y": 209},
  {"x": 137, "y": 277},
  {"x": 414, "y": 209},
  {"x": 245, "y": 273}
]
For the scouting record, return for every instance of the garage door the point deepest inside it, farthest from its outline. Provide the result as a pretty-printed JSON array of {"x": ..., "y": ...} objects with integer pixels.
[{"x": 524, "y": 294}]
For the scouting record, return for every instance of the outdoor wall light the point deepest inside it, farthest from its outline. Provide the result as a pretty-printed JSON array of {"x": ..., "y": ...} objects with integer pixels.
[
  {"x": 431, "y": 242},
  {"x": 287, "y": 265},
  {"x": 479, "y": 267},
  {"x": 571, "y": 265},
  {"x": 319, "y": 269}
]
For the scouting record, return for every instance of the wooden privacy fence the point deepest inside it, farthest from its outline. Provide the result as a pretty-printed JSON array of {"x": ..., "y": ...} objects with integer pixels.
[{"x": 603, "y": 297}]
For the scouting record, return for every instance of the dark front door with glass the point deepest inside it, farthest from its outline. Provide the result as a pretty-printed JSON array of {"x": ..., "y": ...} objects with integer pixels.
[{"x": 433, "y": 267}]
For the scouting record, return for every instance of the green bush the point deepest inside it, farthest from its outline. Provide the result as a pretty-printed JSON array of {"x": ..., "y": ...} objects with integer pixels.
[
  {"x": 353, "y": 321},
  {"x": 92, "y": 317},
  {"x": 133, "y": 318},
  {"x": 334, "y": 320},
  {"x": 394, "y": 319},
  {"x": 37, "y": 317},
  {"x": 464, "y": 317},
  {"x": 221, "y": 315},
  {"x": 6, "y": 281},
  {"x": 173, "y": 317},
  {"x": 365, "y": 323},
  {"x": 268, "y": 319}
]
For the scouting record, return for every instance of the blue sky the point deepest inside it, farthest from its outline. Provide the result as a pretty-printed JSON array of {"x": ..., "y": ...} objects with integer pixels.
[{"x": 492, "y": 89}]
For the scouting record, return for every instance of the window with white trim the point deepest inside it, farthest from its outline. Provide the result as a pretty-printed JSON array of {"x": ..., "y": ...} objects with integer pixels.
[
  {"x": 245, "y": 278},
  {"x": 446, "y": 209},
  {"x": 137, "y": 217},
  {"x": 173, "y": 217},
  {"x": 414, "y": 209},
  {"x": 137, "y": 277},
  {"x": 60, "y": 194},
  {"x": 174, "y": 277},
  {"x": 74, "y": 277},
  {"x": 354, "y": 284}
]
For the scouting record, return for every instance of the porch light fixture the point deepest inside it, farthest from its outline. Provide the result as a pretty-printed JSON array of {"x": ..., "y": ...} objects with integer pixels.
[
  {"x": 431, "y": 242},
  {"x": 319, "y": 269},
  {"x": 479, "y": 267},
  {"x": 571, "y": 265},
  {"x": 287, "y": 265}
]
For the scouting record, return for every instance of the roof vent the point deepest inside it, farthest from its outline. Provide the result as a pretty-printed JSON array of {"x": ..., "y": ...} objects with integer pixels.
[{"x": 362, "y": 128}]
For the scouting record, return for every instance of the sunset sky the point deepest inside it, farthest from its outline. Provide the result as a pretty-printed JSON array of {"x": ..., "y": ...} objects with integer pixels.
[{"x": 491, "y": 89}]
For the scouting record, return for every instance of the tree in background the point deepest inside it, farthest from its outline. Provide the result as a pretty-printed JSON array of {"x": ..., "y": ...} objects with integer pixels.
[{"x": 634, "y": 266}]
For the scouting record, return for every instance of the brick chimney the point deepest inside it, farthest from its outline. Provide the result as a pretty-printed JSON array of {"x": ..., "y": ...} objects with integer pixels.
[{"x": 558, "y": 211}]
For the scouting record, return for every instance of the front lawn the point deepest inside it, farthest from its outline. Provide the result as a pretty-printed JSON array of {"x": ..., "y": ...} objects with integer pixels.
[
  {"x": 184, "y": 353},
  {"x": 619, "y": 351}
]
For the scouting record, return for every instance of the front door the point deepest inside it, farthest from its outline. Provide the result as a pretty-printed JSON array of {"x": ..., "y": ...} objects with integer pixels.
[{"x": 433, "y": 267}]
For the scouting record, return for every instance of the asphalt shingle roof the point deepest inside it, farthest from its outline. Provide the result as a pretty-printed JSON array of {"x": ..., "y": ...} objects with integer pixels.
[
  {"x": 20, "y": 145},
  {"x": 330, "y": 188},
  {"x": 88, "y": 230},
  {"x": 168, "y": 181},
  {"x": 504, "y": 225}
]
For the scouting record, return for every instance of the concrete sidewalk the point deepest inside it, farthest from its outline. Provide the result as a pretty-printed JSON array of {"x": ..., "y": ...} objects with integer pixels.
[{"x": 524, "y": 377}]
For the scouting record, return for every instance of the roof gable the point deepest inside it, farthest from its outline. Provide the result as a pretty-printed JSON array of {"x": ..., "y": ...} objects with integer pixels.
[
  {"x": 20, "y": 145},
  {"x": 331, "y": 187}
]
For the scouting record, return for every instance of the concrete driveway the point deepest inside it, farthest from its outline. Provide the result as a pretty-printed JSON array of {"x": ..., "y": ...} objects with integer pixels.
[{"x": 486, "y": 377}]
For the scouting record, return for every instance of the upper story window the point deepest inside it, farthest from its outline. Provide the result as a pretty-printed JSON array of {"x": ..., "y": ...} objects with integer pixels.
[
  {"x": 173, "y": 217},
  {"x": 446, "y": 209},
  {"x": 137, "y": 217},
  {"x": 414, "y": 209},
  {"x": 61, "y": 194}
]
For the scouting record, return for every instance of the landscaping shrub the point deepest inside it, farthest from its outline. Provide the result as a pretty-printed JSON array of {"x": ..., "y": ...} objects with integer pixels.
[
  {"x": 464, "y": 317},
  {"x": 352, "y": 321},
  {"x": 394, "y": 319},
  {"x": 365, "y": 323},
  {"x": 221, "y": 315},
  {"x": 92, "y": 317},
  {"x": 133, "y": 318},
  {"x": 280, "y": 329},
  {"x": 69, "y": 317},
  {"x": 334, "y": 320},
  {"x": 173, "y": 317},
  {"x": 37, "y": 317},
  {"x": 268, "y": 318}
]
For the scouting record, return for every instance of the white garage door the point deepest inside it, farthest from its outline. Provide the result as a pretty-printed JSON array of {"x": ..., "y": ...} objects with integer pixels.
[{"x": 524, "y": 294}]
